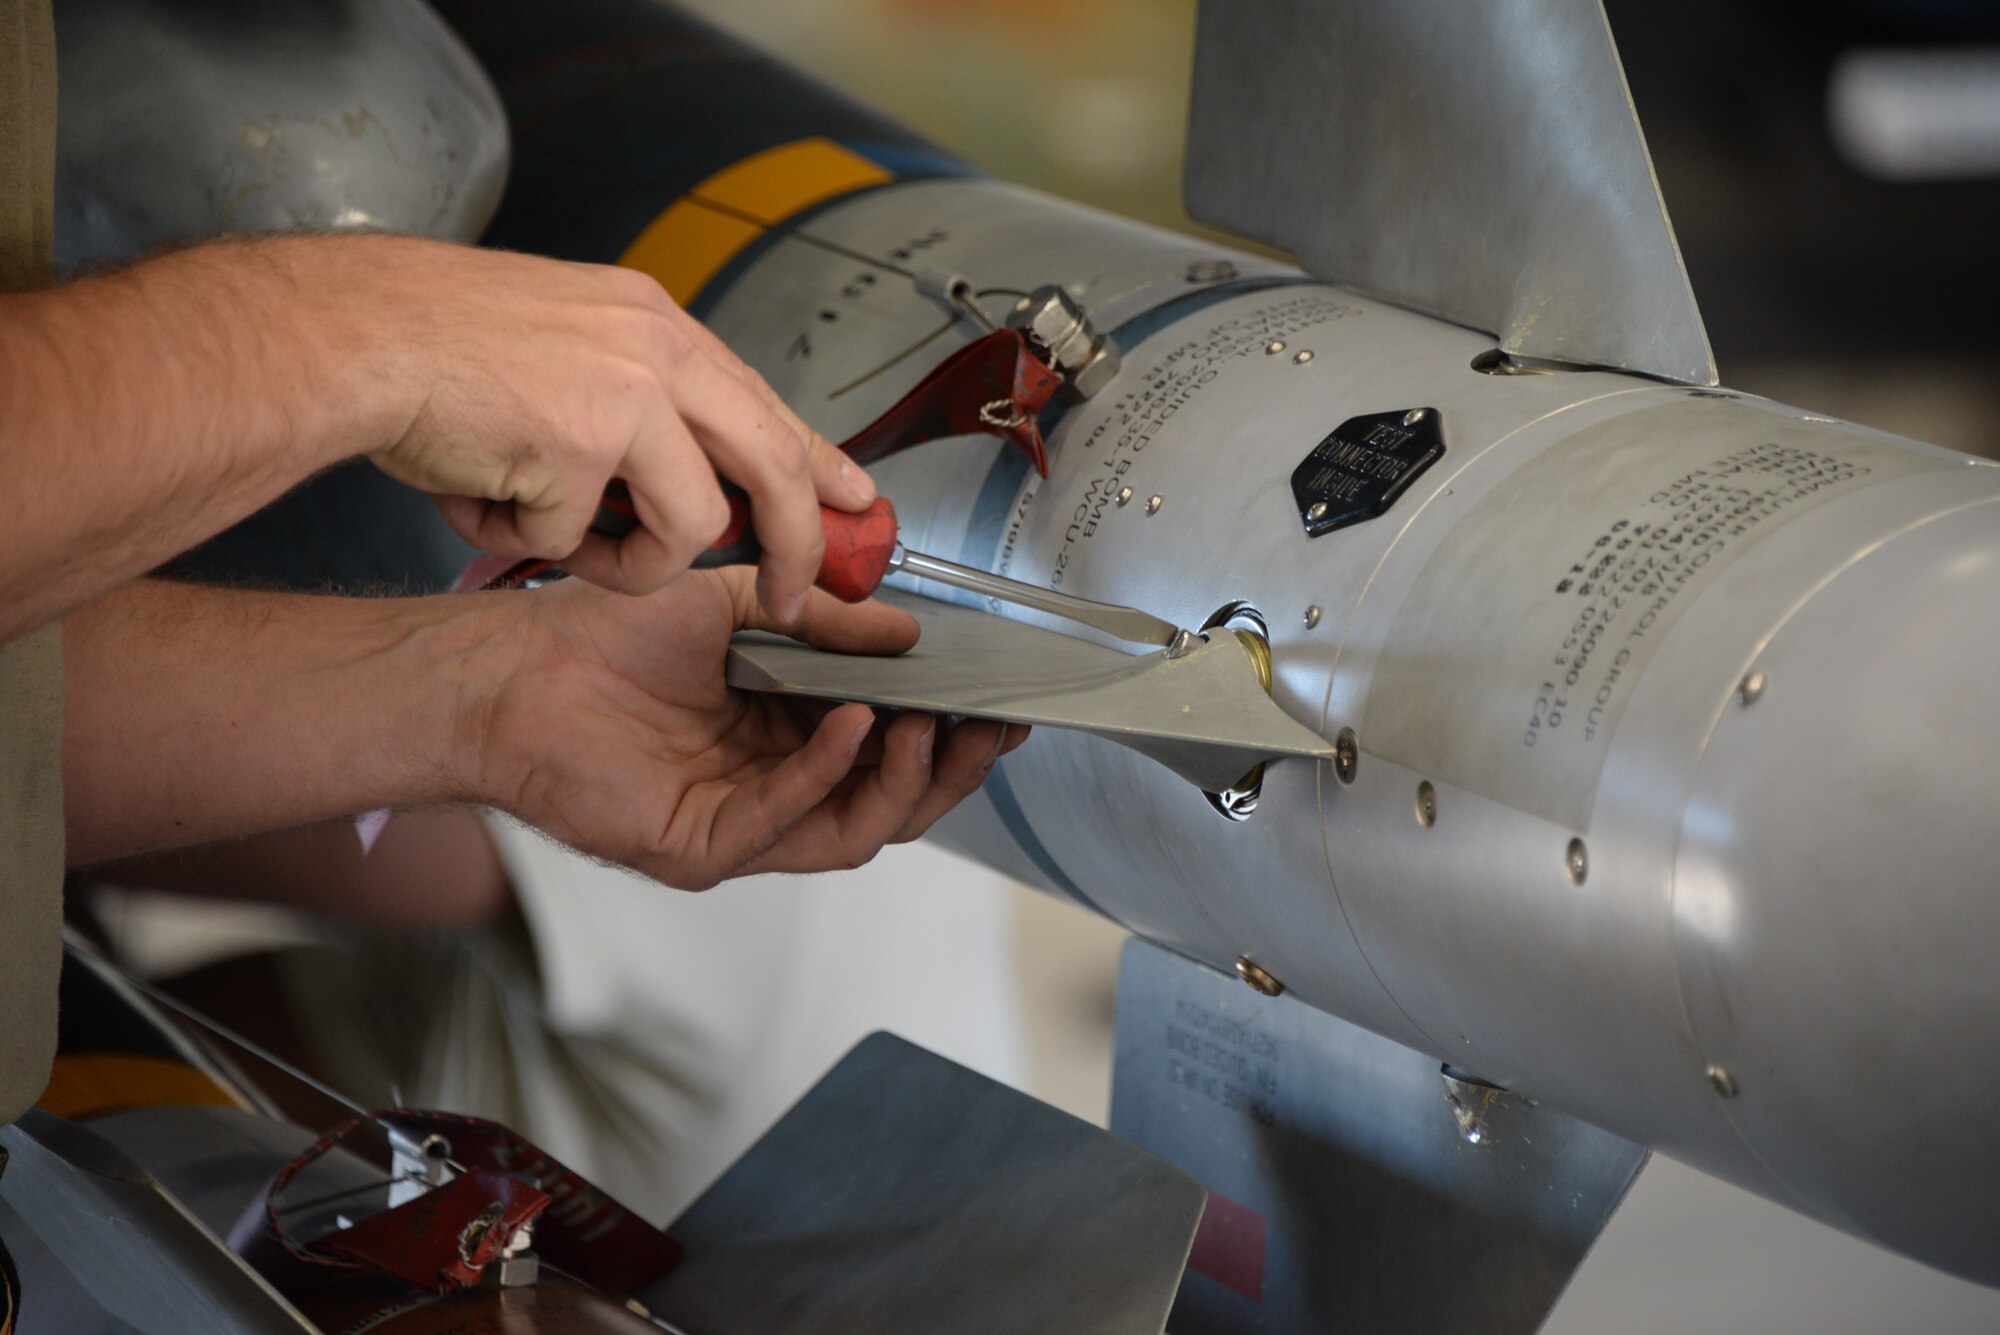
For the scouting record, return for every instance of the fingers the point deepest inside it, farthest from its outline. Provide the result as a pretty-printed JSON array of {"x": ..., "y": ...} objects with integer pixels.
[
  {"x": 962, "y": 764},
  {"x": 850, "y": 828},
  {"x": 680, "y": 507},
  {"x": 757, "y": 814},
  {"x": 752, "y": 445},
  {"x": 869, "y": 627},
  {"x": 840, "y": 482}
]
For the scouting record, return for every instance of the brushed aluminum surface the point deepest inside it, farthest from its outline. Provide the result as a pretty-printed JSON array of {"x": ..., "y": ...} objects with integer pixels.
[
  {"x": 1352, "y": 1189},
  {"x": 1481, "y": 162},
  {"x": 1467, "y": 938},
  {"x": 178, "y": 122},
  {"x": 1204, "y": 715},
  {"x": 907, "y": 1195}
]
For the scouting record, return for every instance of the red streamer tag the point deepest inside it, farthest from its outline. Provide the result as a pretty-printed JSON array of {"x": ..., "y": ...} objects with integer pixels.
[
  {"x": 994, "y": 385},
  {"x": 445, "y": 1237}
]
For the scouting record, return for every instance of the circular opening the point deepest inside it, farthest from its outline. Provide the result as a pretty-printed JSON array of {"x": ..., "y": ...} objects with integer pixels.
[
  {"x": 1427, "y": 804},
  {"x": 1239, "y": 800},
  {"x": 1577, "y": 862},
  {"x": 1495, "y": 362}
]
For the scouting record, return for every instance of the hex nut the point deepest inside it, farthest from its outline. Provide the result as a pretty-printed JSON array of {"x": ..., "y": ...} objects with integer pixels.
[{"x": 1096, "y": 373}]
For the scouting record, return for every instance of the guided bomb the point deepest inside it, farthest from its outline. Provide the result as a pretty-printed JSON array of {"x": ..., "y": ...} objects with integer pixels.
[{"x": 1662, "y": 714}]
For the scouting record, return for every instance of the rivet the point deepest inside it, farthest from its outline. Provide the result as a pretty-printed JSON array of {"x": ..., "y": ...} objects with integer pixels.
[
  {"x": 1257, "y": 977},
  {"x": 1153, "y": 504},
  {"x": 1124, "y": 495},
  {"x": 1312, "y": 616},
  {"x": 1346, "y": 755},
  {"x": 1274, "y": 347},
  {"x": 1414, "y": 416},
  {"x": 1316, "y": 511},
  {"x": 1751, "y": 688},
  {"x": 1427, "y": 804},
  {"x": 1721, "y": 1081},
  {"x": 1302, "y": 356},
  {"x": 1577, "y": 861}
]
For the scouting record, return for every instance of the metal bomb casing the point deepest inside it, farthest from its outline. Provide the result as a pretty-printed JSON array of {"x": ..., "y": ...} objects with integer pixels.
[{"x": 1668, "y": 710}]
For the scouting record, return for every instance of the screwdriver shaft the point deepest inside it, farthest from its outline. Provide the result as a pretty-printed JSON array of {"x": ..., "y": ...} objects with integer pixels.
[{"x": 1126, "y": 623}]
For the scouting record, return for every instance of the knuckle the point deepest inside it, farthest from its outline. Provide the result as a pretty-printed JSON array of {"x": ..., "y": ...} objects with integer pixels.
[
  {"x": 636, "y": 285},
  {"x": 670, "y": 340}
]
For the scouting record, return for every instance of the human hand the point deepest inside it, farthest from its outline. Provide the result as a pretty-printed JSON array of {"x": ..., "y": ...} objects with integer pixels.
[
  {"x": 609, "y": 726},
  {"x": 521, "y": 385}
]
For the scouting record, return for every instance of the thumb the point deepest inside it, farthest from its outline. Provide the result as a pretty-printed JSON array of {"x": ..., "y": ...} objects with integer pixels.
[{"x": 870, "y": 627}]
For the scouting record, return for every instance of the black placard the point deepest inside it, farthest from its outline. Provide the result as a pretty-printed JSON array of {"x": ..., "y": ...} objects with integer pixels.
[{"x": 1360, "y": 470}]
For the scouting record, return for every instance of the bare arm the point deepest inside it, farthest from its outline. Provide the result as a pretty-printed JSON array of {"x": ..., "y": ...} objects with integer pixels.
[
  {"x": 198, "y": 715},
  {"x": 434, "y": 867},
  {"x": 144, "y": 410}
]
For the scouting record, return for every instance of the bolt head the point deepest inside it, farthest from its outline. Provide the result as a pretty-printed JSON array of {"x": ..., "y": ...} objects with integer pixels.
[
  {"x": 1051, "y": 316},
  {"x": 1312, "y": 616},
  {"x": 1274, "y": 347},
  {"x": 1346, "y": 755},
  {"x": 1577, "y": 862},
  {"x": 1721, "y": 1081},
  {"x": 1415, "y": 415},
  {"x": 1316, "y": 511},
  {"x": 1427, "y": 804},
  {"x": 1153, "y": 504},
  {"x": 1752, "y": 688},
  {"x": 1258, "y": 978},
  {"x": 520, "y": 1271},
  {"x": 1302, "y": 356},
  {"x": 1124, "y": 496}
]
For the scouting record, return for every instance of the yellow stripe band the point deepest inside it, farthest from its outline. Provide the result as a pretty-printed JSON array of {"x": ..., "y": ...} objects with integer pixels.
[{"x": 689, "y": 244}]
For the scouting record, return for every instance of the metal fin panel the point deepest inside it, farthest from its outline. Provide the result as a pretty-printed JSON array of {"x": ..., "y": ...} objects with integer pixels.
[
  {"x": 1480, "y": 162},
  {"x": 1204, "y": 715}
]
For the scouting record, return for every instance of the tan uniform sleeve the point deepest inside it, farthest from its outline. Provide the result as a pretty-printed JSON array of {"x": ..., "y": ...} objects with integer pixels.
[{"x": 31, "y": 695}]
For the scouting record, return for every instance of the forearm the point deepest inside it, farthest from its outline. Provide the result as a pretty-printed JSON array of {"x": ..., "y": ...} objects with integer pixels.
[
  {"x": 143, "y": 411},
  {"x": 201, "y": 714},
  {"x": 435, "y": 867}
]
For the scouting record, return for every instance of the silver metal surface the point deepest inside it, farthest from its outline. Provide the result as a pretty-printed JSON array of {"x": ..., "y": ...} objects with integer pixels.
[
  {"x": 907, "y": 1195},
  {"x": 1204, "y": 715},
  {"x": 1124, "y": 623},
  {"x": 1346, "y": 1193},
  {"x": 1480, "y": 162},
  {"x": 138, "y": 1252},
  {"x": 1470, "y": 941},
  {"x": 180, "y": 121}
]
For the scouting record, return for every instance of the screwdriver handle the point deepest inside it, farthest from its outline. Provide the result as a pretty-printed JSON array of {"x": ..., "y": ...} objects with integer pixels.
[{"x": 859, "y": 546}]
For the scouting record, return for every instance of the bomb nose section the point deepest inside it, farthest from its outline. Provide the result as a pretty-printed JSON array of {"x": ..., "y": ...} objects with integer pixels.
[{"x": 1836, "y": 914}]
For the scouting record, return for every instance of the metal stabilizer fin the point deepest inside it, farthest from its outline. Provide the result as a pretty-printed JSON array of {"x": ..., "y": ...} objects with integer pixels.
[
  {"x": 1353, "y": 1185},
  {"x": 1481, "y": 162},
  {"x": 907, "y": 1195},
  {"x": 1204, "y": 715}
]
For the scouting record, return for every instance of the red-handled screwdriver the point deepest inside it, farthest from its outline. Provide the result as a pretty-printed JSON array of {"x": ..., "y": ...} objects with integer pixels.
[{"x": 862, "y": 549}]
